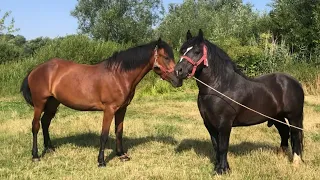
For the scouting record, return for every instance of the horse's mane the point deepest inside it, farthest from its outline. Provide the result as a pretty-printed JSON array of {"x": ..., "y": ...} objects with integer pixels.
[
  {"x": 221, "y": 60},
  {"x": 135, "y": 57}
]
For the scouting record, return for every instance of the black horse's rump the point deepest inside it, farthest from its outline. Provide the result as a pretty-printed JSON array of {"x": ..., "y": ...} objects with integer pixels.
[{"x": 277, "y": 95}]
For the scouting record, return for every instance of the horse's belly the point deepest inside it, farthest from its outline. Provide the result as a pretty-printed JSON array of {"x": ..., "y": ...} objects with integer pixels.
[
  {"x": 248, "y": 121},
  {"x": 78, "y": 101},
  {"x": 83, "y": 107}
]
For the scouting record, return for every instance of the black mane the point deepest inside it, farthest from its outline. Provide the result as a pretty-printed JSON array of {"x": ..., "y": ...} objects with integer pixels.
[
  {"x": 221, "y": 60},
  {"x": 135, "y": 57}
]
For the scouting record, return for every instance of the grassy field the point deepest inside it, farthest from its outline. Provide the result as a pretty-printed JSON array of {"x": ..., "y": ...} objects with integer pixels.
[{"x": 165, "y": 137}]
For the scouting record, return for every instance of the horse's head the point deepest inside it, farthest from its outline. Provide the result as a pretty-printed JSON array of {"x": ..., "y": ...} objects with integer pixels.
[
  {"x": 164, "y": 63},
  {"x": 193, "y": 56}
]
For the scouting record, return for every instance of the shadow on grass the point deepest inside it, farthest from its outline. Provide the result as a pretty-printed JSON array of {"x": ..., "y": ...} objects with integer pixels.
[
  {"x": 93, "y": 140},
  {"x": 205, "y": 148}
]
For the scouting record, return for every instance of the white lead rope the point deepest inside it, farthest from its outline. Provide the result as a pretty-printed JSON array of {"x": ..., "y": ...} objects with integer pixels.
[{"x": 287, "y": 123}]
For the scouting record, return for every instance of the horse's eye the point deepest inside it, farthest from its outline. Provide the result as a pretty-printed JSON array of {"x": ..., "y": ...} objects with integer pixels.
[
  {"x": 197, "y": 52},
  {"x": 166, "y": 58}
]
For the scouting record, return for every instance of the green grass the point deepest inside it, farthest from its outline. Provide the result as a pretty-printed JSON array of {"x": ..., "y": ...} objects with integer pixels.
[{"x": 165, "y": 137}]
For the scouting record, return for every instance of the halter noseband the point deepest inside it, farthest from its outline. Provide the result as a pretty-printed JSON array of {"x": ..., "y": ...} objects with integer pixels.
[
  {"x": 164, "y": 71},
  {"x": 203, "y": 59}
]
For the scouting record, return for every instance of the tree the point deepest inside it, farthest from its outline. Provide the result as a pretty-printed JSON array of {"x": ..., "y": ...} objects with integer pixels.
[
  {"x": 220, "y": 19},
  {"x": 120, "y": 21},
  {"x": 297, "y": 22},
  {"x": 7, "y": 29},
  {"x": 34, "y": 44},
  {"x": 8, "y": 50},
  {"x": 18, "y": 40}
]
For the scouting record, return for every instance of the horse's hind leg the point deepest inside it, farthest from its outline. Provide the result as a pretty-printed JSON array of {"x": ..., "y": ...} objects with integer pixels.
[
  {"x": 284, "y": 132},
  {"x": 49, "y": 112},
  {"x": 296, "y": 138}
]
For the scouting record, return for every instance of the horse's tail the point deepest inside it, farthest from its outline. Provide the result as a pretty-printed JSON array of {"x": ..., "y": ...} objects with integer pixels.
[
  {"x": 25, "y": 90},
  {"x": 302, "y": 135}
]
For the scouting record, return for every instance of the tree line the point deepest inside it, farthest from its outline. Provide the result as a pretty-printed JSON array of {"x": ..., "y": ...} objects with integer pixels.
[{"x": 290, "y": 31}]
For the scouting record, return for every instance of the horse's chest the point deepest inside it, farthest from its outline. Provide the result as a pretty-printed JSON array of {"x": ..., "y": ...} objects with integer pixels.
[
  {"x": 128, "y": 100},
  {"x": 212, "y": 106}
]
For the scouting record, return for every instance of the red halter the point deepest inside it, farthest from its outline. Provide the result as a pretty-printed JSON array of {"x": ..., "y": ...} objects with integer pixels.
[
  {"x": 196, "y": 64},
  {"x": 164, "y": 71}
]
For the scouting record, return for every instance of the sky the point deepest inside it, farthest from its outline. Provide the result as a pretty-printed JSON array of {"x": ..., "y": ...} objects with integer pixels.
[{"x": 51, "y": 18}]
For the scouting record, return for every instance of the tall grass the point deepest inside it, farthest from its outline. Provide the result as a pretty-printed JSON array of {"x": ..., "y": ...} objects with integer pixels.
[{"x": 12, "y": 74}]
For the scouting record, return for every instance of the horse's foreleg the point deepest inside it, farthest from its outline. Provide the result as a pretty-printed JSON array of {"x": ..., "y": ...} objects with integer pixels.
[
  {"x": 213, "y": 134},
  {"x": 107, "y": 118},
  {"x": 119, "y": 116},
  {"x": 223, "y": 144}
]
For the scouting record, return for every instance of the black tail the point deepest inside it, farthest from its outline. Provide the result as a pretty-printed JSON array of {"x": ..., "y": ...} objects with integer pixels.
[{"x": 25, "y": 90}]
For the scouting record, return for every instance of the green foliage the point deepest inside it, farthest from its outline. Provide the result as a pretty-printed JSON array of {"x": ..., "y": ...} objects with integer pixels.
[
  {"x": 10, "y": 52},
  {"x": 247, "y": 57},
  {"x": 13, "y": 48},
  {"x": 7, "y": 28},
  {"x": 33, "y": 45},
  {"x": 120, "y": 21},
  {"x": 78, "y": 48},
  {"x": 286, "y": 40},
  {"x": 12, "y": 74},
  {"x": 297, "y": 21},
  {"x": 218, "y": 20}
]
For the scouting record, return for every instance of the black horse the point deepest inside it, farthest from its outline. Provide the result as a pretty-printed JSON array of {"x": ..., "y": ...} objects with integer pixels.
[{"x": 277, "y": 95}]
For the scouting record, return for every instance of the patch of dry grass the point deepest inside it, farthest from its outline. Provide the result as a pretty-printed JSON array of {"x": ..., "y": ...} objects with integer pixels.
[{"x": 165, "y": 137}]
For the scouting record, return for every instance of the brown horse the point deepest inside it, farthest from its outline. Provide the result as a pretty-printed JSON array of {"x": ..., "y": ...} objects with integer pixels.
[{"x": 108, "y": 86}]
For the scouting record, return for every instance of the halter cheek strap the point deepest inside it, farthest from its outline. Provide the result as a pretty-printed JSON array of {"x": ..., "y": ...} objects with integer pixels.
[
  {"x": 203, "y": 59},
  {"x": 164, "y": 72}
]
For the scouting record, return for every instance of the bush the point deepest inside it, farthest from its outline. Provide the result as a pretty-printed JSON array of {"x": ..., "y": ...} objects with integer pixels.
[
  {"x": 10, "y": 52},
  {"x": 78, "y": 48}
]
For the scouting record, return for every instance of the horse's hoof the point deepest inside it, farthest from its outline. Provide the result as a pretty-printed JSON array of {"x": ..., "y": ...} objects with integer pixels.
[
  {"x": 222, "y": 170},
  {"x": 102, "y": 165},
  {"x": 36, "y": 159},
  {"x": 124, "y": 157},
  {"x": 49, "y": 150},
  {"x": 282, "y": 150},
  {"x": 296, "y": 160}
]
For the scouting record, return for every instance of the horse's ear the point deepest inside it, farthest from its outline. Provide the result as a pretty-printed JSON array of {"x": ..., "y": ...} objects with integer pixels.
[
  {"x": 200, "y": 35},
  {"x": 158, "y": 43},
  {"x": 189, "y": 35}
]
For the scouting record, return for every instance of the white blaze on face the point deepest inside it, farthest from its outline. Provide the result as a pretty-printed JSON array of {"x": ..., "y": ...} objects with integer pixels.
[{"x": 188, "y": 49}]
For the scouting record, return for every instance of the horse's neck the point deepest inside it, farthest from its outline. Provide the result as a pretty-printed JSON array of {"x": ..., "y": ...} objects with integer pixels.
[
  {"x": 219, "y": 82},
  {"x": 135, "y": 76}
]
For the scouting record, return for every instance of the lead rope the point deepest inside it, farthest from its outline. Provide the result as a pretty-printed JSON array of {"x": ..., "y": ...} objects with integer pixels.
[{"x": 287, "y": 123}]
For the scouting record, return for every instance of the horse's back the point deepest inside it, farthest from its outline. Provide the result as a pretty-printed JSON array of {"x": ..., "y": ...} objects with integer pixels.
[
  {"x": 67, "y": 81},
  {"x": 287, "y": 90}
]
